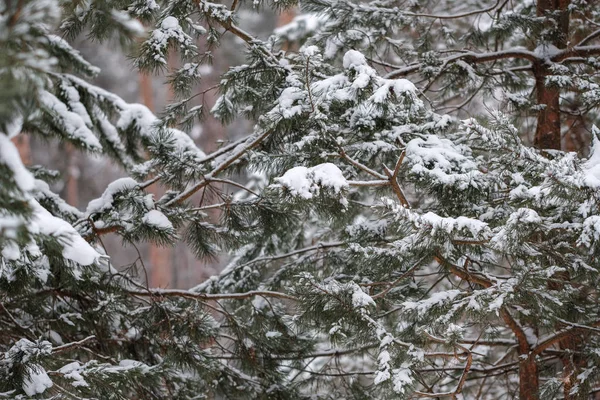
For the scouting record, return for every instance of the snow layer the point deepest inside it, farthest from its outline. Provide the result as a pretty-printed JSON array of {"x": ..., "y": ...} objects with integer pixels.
[
  {"x": 75, "y": 248},
  {"x": 297, "y": 182},
  {"x": 9, "y": 156},
  {"x": 305, "y": 182},
  {"x": 157, "y": 219},
  {"x": 138, "y": 117},
  {"x": 72, "y": 371},
  {"x": 170, "y": 23},
  {"x": 591, "y": 168},
  {"x": 439, "y": 224},
  {"x": 353, "y": 59},
  {"x": 309, "y": 51},
  {"x": 360, "y": 299},
  {"x": 145, "y": 121},
  {"x": 36, "y": 382},
  {"x": 441, "y": 160},
  {"x": 401, "y": 379},
  {"x": 106, "y": 200},
  {"x": 73, "y": 123},
  {"x": 435, "y": 300}
]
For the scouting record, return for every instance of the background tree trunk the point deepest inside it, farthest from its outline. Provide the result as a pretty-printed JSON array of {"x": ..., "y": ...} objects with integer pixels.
[
  {"x": 161, "y": 267},
  {"x": 548, "y": 136},
  {"x": 548, "y": 129},
  {"x": 72, "y": 181},
  {"x": 21, "y": 142}
]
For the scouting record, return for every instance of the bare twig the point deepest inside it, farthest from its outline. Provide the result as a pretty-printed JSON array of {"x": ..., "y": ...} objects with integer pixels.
[{"x": 72, "y": 345}]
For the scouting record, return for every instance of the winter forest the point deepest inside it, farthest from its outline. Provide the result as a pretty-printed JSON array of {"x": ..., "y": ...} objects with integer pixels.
[{"x": 300, "y": 199}]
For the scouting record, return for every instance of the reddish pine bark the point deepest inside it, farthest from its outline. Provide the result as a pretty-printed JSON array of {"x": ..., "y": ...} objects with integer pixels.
[{"x": 548, "y": 135}]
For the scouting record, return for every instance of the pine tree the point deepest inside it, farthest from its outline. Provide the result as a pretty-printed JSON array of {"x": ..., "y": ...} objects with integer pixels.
[{"x": 380, "y": 246}]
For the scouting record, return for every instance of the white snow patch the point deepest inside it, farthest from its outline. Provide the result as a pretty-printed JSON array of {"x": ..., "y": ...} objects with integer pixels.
[
  {"x": 75, "y": 248},
  {"x": 449, "y": 225},
  {"x": 591, "y": 232},
  {"x": 360, "y": 299},
  {"x": 133, "y": 333},
  {"x": 145, "y": 121},
  {"x": 9, "y": 156},
  {"x": 353, "y": 59},
  {"x": 73, "y": 123},
  {"x": 13, "y": 128},
  {"x": 305, "y": 182},
  {"x": 591, "y": 168},
  {"x": 11, "y": 251},
  {"x": 297, "y": 182},
  {"x": 442, "y": 160},
  {"x": 105, "y": 201},
  {"x": 169, "y": 23},
  {"x": 132, "y": 25},
  {"x": 397, "y": 86},
  {"x": 435, "y": 223},
  {"x": 286, "y": 102},
  {"x": 436, "y": 299},
  {"x": 546, "y": 51},
  {"x": 329, "y": 175},
  {"x": 309, "y": 51},
  {"x": 36, "y": 382},
  {"x": 157, "y": 219},
  {"x": 72, "y": 371},
  {"x": 401, "y": 378}
]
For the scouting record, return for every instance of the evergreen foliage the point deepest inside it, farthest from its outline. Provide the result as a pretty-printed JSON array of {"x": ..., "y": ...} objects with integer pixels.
[{"x": 379, "y": 246}]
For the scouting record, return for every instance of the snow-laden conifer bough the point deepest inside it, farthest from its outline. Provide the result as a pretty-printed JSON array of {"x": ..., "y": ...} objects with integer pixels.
[{"x": 388, "y": 234}]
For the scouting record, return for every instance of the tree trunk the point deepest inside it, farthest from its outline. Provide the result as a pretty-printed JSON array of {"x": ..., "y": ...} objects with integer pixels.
[
  {"x": 72, "y": 184},
  {"x": 21, "y": 142},
  {"x": 547, "y": 134},
  {"x": 528, "y": 379},
  {"x": 161, "y": 270}
]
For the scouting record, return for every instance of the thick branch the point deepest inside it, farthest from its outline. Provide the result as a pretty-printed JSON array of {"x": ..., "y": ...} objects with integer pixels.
[
  {"x": 462, "y": 273},
  {"x": 523, "y": 343},
  {"x": 204, "y": 296},
  {"x": 393, "y": 178},
  {"x": 589, "y": 38},
  {"x": 471, "y": 57},
  {"x": 573, "y": 330},
  {"x": 577, "y": 51}
]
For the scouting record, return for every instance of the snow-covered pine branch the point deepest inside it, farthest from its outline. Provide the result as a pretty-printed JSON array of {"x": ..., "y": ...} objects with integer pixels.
[{"x": 376, "y": 247}]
